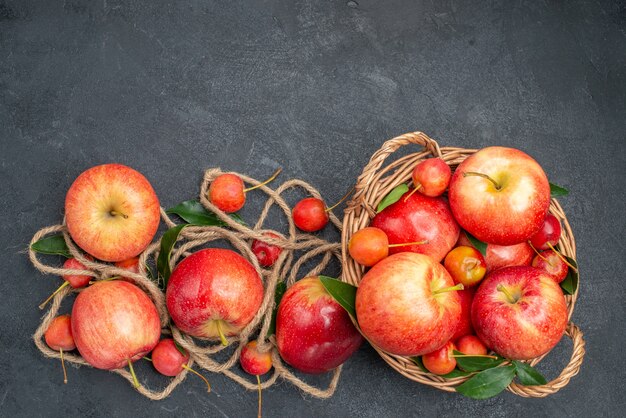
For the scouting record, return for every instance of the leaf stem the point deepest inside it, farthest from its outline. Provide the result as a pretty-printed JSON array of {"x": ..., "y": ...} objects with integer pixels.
[
  {"x": 45, "y": 302},
  {"x": 132, "y": 373},
  {"x": 459, "y": 286},
  {"x": 199, "y": 375},
  {"x": 272, "y": 177},
  {"x": 473, "y": 173}
]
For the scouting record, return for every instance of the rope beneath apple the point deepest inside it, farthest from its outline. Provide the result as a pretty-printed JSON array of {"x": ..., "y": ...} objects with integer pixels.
[
  {"x": 285, "y": 269},
  {"x": 374, "y": 183}
]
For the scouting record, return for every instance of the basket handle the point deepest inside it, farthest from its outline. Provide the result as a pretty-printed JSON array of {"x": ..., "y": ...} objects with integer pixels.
[
  {"x": 571, "y": 370},
  {"x": 379, "y": 157}
]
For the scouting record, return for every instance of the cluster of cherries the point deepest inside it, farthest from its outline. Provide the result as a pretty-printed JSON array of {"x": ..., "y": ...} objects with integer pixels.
[
  {"x": 228, "y": 194},
  {"x": 464, "y": 262}
]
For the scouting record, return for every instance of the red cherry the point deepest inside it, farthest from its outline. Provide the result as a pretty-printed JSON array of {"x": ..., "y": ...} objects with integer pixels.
[
  {"x": 548, "y": 234},
  {"x": 440, "y": 361},
  {"x": 267, "y": 254},
  {"x": 471, "y": 345},
  {"x": 432, "y": 176},
  {"x": 368, "y": 246},
  {"x": 554, "y": 265},
  {"x": 227, "y": 193},
  {"x": 131, "y": 264},
  {"x": 253, "y": 361},
  {"x": 59, "y": 337},
  {"x": 310, "y": 214},
  {"x": 170, "y": 361},
  {"x": 76, "y": 280}
]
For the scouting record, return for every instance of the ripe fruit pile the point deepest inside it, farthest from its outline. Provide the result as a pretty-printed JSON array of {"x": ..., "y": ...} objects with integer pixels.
[
  {"x": 463, "y": 284},
  {"x": 120, "y": 315}
]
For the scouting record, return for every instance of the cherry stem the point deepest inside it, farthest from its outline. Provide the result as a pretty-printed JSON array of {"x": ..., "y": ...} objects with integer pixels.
[
  {"x": 272, "y": 177},
  {"x": 409, "y": 243},
  {"x": 258, "y": 380},
  {"x": 561, "y": 257},
  {"x": 340, "y": 200},
  {"x": 539, "y": 254},
  {"x": 63, "y": 366},
  {"x": 416, "y": 188},
  {"x": 473, "y": 173},
  {"x": 114, "y": 213},
  {"x": 147, "y": 359},
  {"x": 199, "y": 375},
  {"x": 508, "y": 294},
  {"x": 45, "y": 302},
  {"x": 132, "y": 373},
  {"x": 221, "y": 333},
  {"x": 449, "y": 289},
  {"x": 473, "y": 355}
]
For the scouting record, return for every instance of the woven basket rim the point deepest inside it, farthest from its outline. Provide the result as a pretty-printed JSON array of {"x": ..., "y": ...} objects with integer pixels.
[{"x": 374, "y": 183}]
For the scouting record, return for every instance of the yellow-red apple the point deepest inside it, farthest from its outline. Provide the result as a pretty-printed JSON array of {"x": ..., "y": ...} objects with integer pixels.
[{"x": 112, "y": 212}]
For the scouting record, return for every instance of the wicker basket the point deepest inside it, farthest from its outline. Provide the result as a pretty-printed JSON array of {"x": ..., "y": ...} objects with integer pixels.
[{"x": 373, "y": 185}]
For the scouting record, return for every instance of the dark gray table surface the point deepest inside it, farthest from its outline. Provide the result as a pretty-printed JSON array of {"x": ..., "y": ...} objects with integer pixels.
[{"x": 172, "y": 88}]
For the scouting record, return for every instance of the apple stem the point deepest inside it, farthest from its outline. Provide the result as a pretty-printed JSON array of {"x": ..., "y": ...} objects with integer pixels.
[
  {"x": 562, "y": 258},
  {"x": 473, "y": 173},
  {"x": 258, "y": 380},
  {"x": 45, "y": 302},
  {"x": 221, "y": 333},
  {"x": 416, "y": 188},
  {"x": 409, "y": 243},
  {"x": 63, "y": 366},
  {"x": 340, "y": 200},
  {"x": 272, "y": 177},
  {"x": 132, "y": 373},
  {"x": 473, "y": 355},
  {"x": 199, "y": 375},
  {"x": 449, "y": 289},
  {"x": 508, "y": 294},
  {"x": 114, "y": 213}
]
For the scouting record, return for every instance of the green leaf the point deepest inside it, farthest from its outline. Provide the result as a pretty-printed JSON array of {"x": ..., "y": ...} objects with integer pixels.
[
  {"x": 392, "y": 197},
  {"x": 281, "y": 288},
  {"x": 558, "y": 191},
  {"x": 476, "y": 363},
  {"x": 488, "y": 383},
  {"x": 343, "y": 293},
  {"x": 418, "y": 361},
  {"x": 528, "y": 375},
  {"x": 570, "y": 283},
  {"x": 480, "y": 246},
  {"x": 53, "y": 244},
  {"x": 456, "y": 373},
  {"x": 167, "y": 243},
  {"x": 179, "y": 348},
  {"x": 192, "y": 212}
]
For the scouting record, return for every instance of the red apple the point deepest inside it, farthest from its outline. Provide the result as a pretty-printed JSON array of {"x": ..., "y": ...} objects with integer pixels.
[
  {"x": 314, "y": 333},
  {"x": 114, "y": 323},
  {"x": 550, "y": 262},
  {"x": 213, "y": 293},
  {"x": 500, "y": 195},
  {"x": 499, "y": 256},
  {"x": 519, "y": 312},
  {"x": 464, "y": 326},
  {"x": 419, "y": 218},
  {"x": 406, "y": 305},
  {"x": 112, "y": 212}
]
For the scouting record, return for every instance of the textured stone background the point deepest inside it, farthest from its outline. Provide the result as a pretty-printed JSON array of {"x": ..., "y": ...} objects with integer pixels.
[{"x": 172, "y": 88}]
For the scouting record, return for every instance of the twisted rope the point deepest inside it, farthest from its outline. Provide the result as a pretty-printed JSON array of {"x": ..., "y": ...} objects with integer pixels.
[{"x": 285, "y": 269}]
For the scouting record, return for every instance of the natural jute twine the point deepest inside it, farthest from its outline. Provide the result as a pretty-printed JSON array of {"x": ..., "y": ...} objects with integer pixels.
[
  {"x": 373, "y": 185},
  {"x": 298, "y": 249}
]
